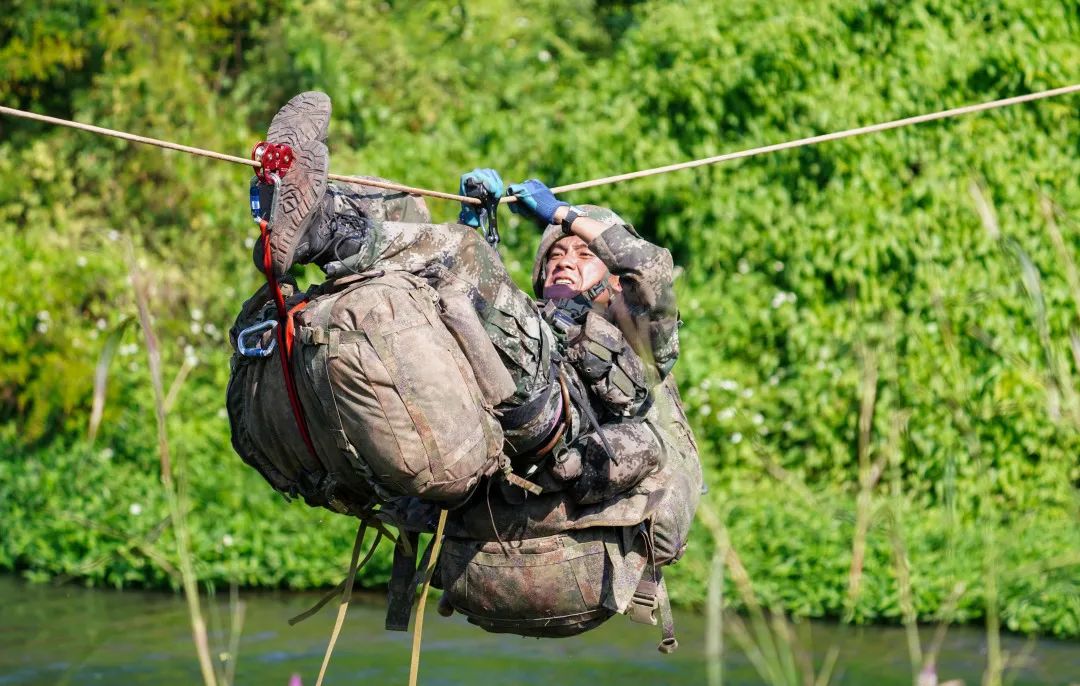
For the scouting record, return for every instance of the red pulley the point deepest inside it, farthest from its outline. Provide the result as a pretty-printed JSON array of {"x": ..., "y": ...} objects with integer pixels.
[{"x": 276, "y": 158}]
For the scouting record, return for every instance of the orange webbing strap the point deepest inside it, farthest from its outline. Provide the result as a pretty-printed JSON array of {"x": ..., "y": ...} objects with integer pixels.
[{"x": 285, "y": 340}]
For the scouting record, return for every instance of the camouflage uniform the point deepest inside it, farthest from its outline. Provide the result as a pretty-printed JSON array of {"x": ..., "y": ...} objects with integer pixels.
[{"x": 645, "y": 312}]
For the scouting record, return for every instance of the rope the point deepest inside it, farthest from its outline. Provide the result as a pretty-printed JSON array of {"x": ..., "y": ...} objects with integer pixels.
[
  {"x": 618, "y": 178},
  {"x": 418, "y": 628},
  {"x": 201, "y": 152},
  {"x": 823, "y": 138}
]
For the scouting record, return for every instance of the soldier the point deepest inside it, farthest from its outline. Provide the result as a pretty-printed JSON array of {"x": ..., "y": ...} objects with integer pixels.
[
  {"x": 607, "y": 296},
  {"x": 579, "y": 382}
]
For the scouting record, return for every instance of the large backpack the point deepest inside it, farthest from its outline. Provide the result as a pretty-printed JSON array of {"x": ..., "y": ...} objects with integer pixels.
[
  {"x": 387, "y": 389},
  {"x": 547, "y": 566}
]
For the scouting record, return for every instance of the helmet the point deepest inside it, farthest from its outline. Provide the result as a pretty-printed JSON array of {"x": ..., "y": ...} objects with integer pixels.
[{"x": 554, "y": 232}]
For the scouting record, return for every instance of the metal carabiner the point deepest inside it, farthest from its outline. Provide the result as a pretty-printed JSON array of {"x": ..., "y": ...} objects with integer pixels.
[{"x": 257, "y": 330}]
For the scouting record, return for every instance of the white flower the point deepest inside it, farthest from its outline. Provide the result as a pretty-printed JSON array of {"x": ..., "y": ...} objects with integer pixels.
[
  {"x": 736, "y": 438},
  {"x": 744, "y": 266},
  {"x": 778, "y": 266},
  {"x": 249, "y": 242},
  {"x": 44, "y": 315},
  {"x": 135, "y": 509},
  {"x": 222, "y": 413},
  {"x": 80, "y": 261},
  {"x": 113, "y": 235},
  {"x": 705, "y": 410},
  {"x": 726, "y": 414},
  {"x": 42, "y": 327},
  {"x": 787, "y": 426},
  {"x": 728, "y": 385},
  {"x": 747, "y": 393},
  {"x": 227, "y": 540},
  {"x": 543, "y": 56},
  {"x": 774, "y": 379},
  {"x": 196, "y": 314},
  {"x": 101, "y": 324},
  {"x": 758, "y": 419},
  {"x": 196, "y": 328},
  {"x": 210, "y": 329},
  {"x": 106, "y": 454},
  {"x": 931, "y": 327}
]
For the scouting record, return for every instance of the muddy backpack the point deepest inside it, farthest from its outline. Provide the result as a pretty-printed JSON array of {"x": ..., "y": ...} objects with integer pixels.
[{"x": 387, "y": 390}]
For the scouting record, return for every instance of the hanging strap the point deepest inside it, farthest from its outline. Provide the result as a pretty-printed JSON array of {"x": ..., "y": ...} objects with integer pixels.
[
  {"x": 401, "y": 590},
  {"x": 651, "y": 595},
  {"x": 340, "y": 588},
  {"x": 418, "y": 630},
  {"x": 345, "y": 597}
]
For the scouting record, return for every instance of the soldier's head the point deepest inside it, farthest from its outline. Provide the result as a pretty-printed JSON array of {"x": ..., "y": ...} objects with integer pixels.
[{"x": 565, "y": 267}]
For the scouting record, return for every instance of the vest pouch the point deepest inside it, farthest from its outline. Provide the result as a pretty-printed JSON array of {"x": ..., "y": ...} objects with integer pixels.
[{"x": 554, "y": 586}]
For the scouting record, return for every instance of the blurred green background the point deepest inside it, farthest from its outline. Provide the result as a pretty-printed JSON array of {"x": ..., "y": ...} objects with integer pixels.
[{"x": 813, "y": 282}]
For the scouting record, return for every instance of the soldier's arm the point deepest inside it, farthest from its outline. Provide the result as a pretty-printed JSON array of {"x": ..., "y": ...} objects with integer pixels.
[{"x": 645, "y": 274}]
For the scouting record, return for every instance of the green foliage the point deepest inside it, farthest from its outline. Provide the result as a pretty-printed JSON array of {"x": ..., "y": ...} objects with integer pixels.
[{"x": 795, "y": 266}]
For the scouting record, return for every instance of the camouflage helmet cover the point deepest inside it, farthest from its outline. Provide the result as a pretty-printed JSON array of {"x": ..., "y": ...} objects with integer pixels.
[{"x": 554, "y": 232}]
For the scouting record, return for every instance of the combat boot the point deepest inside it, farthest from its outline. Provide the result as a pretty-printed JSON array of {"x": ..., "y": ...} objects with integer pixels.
[
  {"x": 297, "y": 227},
  {"x": 304, "y": 119}
]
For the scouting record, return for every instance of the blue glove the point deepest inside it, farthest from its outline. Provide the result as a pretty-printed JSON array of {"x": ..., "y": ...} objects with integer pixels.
[
  {"x": 490, "y": 180},
  {"x": 535, "y": 200}
]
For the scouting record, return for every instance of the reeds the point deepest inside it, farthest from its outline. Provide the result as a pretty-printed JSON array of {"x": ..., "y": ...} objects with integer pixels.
[{"x": 174, "y": 487}]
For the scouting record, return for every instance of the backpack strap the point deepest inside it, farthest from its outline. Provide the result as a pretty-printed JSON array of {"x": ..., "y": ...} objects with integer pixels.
[
  {"x": 651, "y": 595},
  {"x": 401, "y": 591}
]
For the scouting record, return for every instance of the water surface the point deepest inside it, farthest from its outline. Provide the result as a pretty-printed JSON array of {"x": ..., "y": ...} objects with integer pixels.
[{"x": 73, "y": 635}]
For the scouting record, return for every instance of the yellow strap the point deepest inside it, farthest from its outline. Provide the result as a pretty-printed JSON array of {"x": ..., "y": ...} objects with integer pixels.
[
  {"x": 337, "y": 590},
  {"x": 345, "y": 597},
  {"x": 418, "y": 628}
]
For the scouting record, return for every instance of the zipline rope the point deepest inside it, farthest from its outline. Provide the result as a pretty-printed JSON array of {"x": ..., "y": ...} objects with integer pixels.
[
  {"x": 776, "y": 147},
  {"x": 813, "y": 140},
  {"x": 220, "y": 156}
]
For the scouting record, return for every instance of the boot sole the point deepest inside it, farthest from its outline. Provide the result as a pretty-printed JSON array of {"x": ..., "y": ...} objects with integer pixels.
[
  {"x": 302, "y": 189},
  {"x": 306, "y": 117}
]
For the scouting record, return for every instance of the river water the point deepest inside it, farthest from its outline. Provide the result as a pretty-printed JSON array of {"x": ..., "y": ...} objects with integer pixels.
[{"x": 72, "y": 635}]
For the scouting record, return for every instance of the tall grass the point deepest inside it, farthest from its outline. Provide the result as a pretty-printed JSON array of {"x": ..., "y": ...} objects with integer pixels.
[
  {"x": 174, "y": 487},
  {"x": 768, "y": 639}
]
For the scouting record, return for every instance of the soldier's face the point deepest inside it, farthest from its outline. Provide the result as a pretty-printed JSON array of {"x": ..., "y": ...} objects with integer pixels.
[{"x": 572, "y": 268}]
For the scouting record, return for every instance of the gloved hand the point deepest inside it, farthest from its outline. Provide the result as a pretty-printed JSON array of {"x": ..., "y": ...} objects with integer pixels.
[
  {"x": 535, "y": 200},
  {"x": 490, "y": 180}
]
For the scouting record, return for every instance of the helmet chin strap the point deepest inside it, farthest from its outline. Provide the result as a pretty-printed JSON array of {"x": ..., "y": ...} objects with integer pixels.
[{"x": 599, "y": 288}]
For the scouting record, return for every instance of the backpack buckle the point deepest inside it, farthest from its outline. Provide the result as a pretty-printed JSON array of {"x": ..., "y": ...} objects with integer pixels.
[
  {"x": 255, "y": 349},
  {"x": 643, "y": 608}
]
